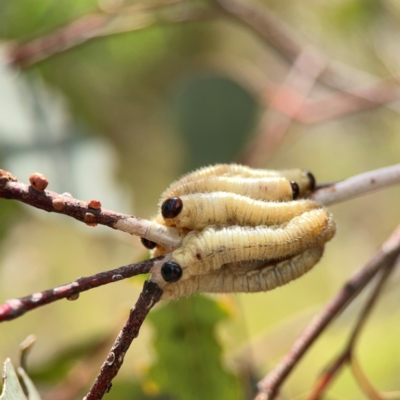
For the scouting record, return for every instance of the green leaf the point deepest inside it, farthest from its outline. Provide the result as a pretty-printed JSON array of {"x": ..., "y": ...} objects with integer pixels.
[
  {"x": 12, "y": 389},
  {"x": 189, "y": 357},
  {"x": 33, "y": 394}
]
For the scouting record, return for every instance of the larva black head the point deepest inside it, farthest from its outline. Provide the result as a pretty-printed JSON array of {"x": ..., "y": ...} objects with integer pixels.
[
  {"x": 148, "y": 243},
  {"x": 311, "y": 178},
  {"x": 171, "y": 207},
  {"x": 171, "y": 271},
  {"x": 295, "y": 189}
]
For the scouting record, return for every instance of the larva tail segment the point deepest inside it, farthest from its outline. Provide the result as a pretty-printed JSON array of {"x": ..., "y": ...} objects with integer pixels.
[{"x": 219, "y": 208}]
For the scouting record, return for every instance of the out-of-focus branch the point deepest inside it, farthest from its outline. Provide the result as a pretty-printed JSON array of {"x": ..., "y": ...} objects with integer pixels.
[
  {"x": 90, "y": 212},
  {"x": 273, "y": 31},
  {"x": 14, "y": 308},
  {"x": 97, "y": 25},
  {"x": 390, "y": 250},
  {"x": 274, "y": 125},
  {"x": 347, "y": 355},
  {"x": 358, "y": 185},
  {"x": 150, "y": 295},
  {"x": 332, "y": 106}
]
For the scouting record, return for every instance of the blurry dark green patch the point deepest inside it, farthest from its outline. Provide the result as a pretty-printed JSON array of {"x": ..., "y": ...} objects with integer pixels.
[
  {"x": 215, "y": 116},
  {"x": 189, "y": 364}
]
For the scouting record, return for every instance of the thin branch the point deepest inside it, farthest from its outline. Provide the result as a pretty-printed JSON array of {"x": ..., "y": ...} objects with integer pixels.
[
  {"x": 281, "y": 37},
  {"x": 11, "y": 188},
  {"x": 90, "y": 212},
  {"x": 358, "y": 185},
  {"x": 150, "y": 295},
  {"x": 98, "y": 25},
  {"x": 269, "y": 386},
  {"x": 14, "y": 308},
  {"x": 347, "y": 103},
  {"x": 274, "y": 125},
  {"x": 336, "y": 105},
  {"x": 347, "y": 356}
]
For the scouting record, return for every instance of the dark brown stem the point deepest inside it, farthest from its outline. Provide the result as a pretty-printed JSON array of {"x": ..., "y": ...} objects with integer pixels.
[
  {"x": 14, "y": 308},
  {"x": 150, "y": 295},
  {"x": 269, "y": 386},
  {"x": 12, "y": 189},
  {"x": 90, "y": 212}
]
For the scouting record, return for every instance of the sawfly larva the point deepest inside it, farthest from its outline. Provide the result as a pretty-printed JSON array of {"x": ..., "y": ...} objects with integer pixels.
[
  {"x": 304, "y": 179},
  {"x": 208, "y": 249},
  {"x": 262, "y": 277},
  {"x": 263, "y": 188},
  {"x": 198, "y": 210}
]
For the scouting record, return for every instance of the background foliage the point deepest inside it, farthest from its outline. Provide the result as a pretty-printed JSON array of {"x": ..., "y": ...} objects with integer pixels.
[{"x": 120, "y": 117}]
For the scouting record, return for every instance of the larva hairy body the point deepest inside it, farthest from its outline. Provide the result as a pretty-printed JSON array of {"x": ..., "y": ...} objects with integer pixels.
[
  {"x": 303, "y": 178},
  {"x": 254, "y": 280},
  {"x": 265, "y": 188},
  {"x": 220, "y": 208},
  {"x": 206, "y": 250}
]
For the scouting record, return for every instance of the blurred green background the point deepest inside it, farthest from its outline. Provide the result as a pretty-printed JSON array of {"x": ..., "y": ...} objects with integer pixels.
[{"x": 119, "y": 118}]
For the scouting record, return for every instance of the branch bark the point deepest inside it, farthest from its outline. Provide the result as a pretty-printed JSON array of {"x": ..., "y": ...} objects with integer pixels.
[
  {"x": 390, "y": 250},
  {"x": 150, "y": 295}
]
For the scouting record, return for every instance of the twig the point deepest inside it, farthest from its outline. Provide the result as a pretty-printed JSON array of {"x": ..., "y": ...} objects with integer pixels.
[
  {"x": 274, "y": 125},
  {"x": 353, "y": 101},
  {"x": 11, "y": 188},
  {"x": 358, "y": 185},
  {"x": 150, "y": 295},
  {"x": 269, "y": 386},
  {"x": 14, "y": 308},
  {"x": 287, "y": 44},
  {"x": 347, "y": 356},
  {"x": 97, "y": 25}
]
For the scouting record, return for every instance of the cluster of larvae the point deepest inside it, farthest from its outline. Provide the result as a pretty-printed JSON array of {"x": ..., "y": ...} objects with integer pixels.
[{"x": 244, "y": 230}]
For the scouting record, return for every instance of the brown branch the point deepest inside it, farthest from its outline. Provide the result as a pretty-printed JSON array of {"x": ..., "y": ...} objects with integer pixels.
[
  {"x": 150, "y": 295},
  {"x": 269, "y": 386},
  {"x": 347, "y": 356},
  {"x": 14, "y": 308},
  {"x": 97, "y": 25},
  {"x": 90, "y": 212}
]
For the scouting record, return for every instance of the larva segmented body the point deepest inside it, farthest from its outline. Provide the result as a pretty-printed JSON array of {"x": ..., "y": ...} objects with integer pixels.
[
  {"x": 221, "y": 208},
  {"x": 265, "y": 188},
  {"x": 208, "y": 249},
  {"x": 265, "y": 277},
  {"x": 304, "y": 179}
]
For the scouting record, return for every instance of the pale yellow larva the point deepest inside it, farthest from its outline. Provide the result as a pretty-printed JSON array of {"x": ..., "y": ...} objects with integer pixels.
[
  {"x": 304, "y": 179},
  {"x": 265, "y": 188},
  {"x": 220, "y": 208},
  {"x": 209, "y": 249},
  {"x": 265, "y": 277}
]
